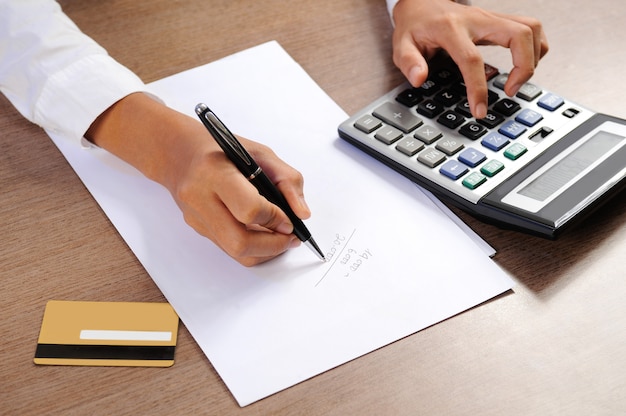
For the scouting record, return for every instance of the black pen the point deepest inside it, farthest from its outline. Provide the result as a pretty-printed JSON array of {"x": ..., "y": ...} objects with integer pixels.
[{"x": 251, "y": 170}]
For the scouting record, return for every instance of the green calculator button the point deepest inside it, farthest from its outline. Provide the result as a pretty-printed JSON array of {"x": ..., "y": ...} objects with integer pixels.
[
  {"x": 474, "y": 180},
  {"x": 515, "y": 151},
  {"x": 492, "y": 167}
]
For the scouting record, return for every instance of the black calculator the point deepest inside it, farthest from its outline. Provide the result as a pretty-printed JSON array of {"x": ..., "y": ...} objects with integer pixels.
[{"x": 537, "y": 162}]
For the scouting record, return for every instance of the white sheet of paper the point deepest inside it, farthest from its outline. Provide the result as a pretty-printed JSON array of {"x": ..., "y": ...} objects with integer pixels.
[
  {"x": 397, "y": 263},
  {"x": 484, "y": 246}
]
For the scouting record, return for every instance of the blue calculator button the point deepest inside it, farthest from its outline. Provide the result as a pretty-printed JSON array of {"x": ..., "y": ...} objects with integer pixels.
[
  {"x": 453, "y": 169},
  {"x": 512, "y": 129},
  {"x": 472, "y": 157},
  {"x": 495, "y": 141},
  {"x": 529, "y": 117},
  {"x": 550, "y": 101}
]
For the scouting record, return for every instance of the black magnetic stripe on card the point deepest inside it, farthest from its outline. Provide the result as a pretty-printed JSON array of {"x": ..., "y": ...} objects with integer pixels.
[{"x": 106, "y": 352}]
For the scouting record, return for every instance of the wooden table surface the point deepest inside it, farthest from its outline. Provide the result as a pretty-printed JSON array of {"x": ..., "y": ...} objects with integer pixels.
[{"x": 555, "y": 345}]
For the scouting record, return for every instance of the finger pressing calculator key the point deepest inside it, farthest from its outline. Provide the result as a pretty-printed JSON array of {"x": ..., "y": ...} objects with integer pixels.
[{"x": 536, "y": 163}]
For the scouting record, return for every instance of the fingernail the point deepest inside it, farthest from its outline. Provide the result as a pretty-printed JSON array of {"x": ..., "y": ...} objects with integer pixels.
[
  {"x": 414, "y": 74},
  {"x": 481, "y": 110}
]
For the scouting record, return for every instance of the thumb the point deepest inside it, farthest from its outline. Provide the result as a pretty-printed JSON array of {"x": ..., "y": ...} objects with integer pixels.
[
  {"x": 417, "y": 73},
  {"x": 411, "y": 62},
  {"x": 271, "y": 217}
]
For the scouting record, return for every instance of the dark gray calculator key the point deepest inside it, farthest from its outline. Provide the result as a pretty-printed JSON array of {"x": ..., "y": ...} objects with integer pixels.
[
  {"x": 463, "y": 108},
  {"x": 367, "y": 123},
  {"x": 409, "y": 146},
  {"x": 431, "y": 157},
  {"x": 492, "y": 97},
  {"x": 506, "y": 107},
  {"x": 428, "y": 88},
  {"x": 459, "y": 87},
  {"x": 447, "y": 97},
  {"x": 430, "y": 108},
  {"x": 529, "y": 92},
  {"x": 388, "y": 134},
  {"x": 446, "y": 76},
  {"x": 428, "y": 134},
  {"x": 491, "y": 120},
  {"x": 409, "y": 97},
  {"x": 472, "y": 130},
  {"x": 398, "y": 116},
  {"x": 451, "y": 119},
  {"x": 449, "y": 146}
]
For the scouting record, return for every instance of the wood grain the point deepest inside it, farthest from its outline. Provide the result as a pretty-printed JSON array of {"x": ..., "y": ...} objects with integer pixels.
[{"x": 552, "y": 346}]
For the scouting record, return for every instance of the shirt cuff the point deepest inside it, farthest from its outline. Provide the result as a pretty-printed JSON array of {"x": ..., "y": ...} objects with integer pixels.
[{"x": 74, "y": 97}]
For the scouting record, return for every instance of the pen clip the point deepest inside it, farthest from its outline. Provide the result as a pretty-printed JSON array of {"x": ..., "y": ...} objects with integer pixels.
[{"x": 227, "y": 137}]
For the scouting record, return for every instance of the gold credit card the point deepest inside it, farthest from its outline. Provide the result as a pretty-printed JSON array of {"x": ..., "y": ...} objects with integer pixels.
[{"x": 107, "y": 334}]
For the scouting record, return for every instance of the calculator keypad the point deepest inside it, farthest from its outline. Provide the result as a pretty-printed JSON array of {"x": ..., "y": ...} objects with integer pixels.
[{"x": 431, "y": 131}]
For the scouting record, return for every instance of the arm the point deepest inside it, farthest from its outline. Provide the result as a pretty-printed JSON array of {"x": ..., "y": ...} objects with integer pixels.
[
  {"x": 422, "y": 27},
  {"x": 54, "y": 74},
  {"x": 62, "y": 80}
]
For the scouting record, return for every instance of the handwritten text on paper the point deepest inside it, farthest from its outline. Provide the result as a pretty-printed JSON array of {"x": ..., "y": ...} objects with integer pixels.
[{"x": 344, "y": 257}]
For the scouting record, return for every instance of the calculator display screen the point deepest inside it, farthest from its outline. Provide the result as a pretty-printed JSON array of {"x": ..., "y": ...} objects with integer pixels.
[{"x": 569, "y": 167}]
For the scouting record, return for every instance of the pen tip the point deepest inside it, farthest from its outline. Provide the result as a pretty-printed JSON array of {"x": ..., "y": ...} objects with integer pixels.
[{"x": 315, "y": 248}]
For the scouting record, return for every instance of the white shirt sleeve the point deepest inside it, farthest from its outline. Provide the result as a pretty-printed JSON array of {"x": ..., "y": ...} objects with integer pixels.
[
  {"x": 55, "y": 75},
  {"x": 392, "y": 3}
]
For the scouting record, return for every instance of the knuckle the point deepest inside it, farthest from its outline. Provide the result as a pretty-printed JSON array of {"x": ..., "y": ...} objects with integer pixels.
[
  {"x": 192, "y": 221},
  {"x": 248, "y": 261},
  {"x": 237, "y": 249},
  {"x": 258, "y": 149},
  {"x": 526, "y": 33},
  {"x": 471, "y": 58},
  {"x": 184, "y": 192},
  {"x": 294, "y": 176},
  {"x": 252, "y": 213},
  {"x": 481, "y": 91},
  {"x": 535, "y": 24},
  {"x": 402, "y": 50}
]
